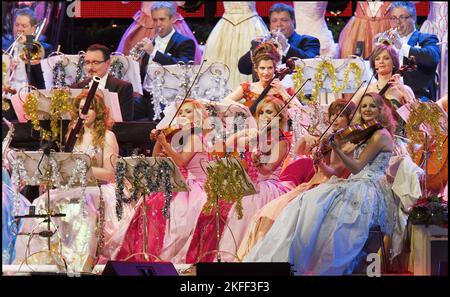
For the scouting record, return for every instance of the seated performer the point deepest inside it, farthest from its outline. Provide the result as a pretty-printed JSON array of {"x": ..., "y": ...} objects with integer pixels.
[
  {"x": 97, "y": 62},
  {"x": 282, "y": 17},
  {"x": 411, "y": 42},
  {"x": 84, "y": 240},
  {"x": 323, "y": 231},
  {"x": 265, "y": 58},
  {"x": 327, "y": 165},
  {"x": 384, "y": 61},
  {"x": 273, "y": 147},
  {"x": 169, "y": 48},
  {"x": 143, "y": 27},
  {"x": 25, "y": 23},
  {"x": 166, "y": 237}
]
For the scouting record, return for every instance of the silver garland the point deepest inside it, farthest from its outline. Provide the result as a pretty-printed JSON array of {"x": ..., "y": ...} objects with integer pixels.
[
  {"x": 59, "y": 75},
  {"x": 164, "y": 176},
  {"x": 117, "y": 69},
  {"x": 78, "y": 175},
  {"x": 81, "y": 74},
  {"x": 156, "y": 89}
]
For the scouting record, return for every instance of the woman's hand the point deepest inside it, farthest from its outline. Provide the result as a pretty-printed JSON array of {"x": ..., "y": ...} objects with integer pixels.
[
  {"x": 153, "y": 134},
  {"x": 161, "y": 138},
  {"x": 310, "y": 142},
  {"x": 395, "y": 82},
  {"x": 279, "y": 88}
]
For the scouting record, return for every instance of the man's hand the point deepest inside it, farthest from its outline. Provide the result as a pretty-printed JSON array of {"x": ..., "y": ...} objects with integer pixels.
[{"x": 146, "y": 45}]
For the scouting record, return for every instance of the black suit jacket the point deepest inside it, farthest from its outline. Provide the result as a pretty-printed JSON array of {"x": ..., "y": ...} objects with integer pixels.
[
  {"x": 301, "y": 46},
  {"x": 424, "y": 47},
  {"x": 124, "y": 91},
  {"x": 179, "y": 48}
]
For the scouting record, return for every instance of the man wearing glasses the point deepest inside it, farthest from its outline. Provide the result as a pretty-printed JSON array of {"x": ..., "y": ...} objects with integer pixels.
[
  {"x": 97, "y": 61},
  {"x": 411, "y": 42}
]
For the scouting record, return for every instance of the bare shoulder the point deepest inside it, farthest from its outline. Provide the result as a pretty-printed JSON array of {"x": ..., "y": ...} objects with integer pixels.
[
  {"x": 383, "y": 137},
  {"x": 110, "y": 136}
]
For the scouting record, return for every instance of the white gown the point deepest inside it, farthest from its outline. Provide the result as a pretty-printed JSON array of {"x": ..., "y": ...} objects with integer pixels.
[
  {"x": 77, "y": 237},
  {"x": 323, "y": 230},
  {"x": 231, "y": 38},
  {"x": 310, "y": 18},
  {"x": 437, "y": 23}
]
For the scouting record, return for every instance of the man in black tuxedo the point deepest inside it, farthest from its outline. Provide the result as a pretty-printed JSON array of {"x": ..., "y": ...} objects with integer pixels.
[
  {"x": 168, "y": 48},
  {"x": 411, "y": 42},
  {"x": 97, "y": 61},
  {"x": 282, "y": 18}
]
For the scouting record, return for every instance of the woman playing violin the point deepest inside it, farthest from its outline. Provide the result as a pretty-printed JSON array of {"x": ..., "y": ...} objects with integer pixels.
[
  {"x": 328, "y": 165},
  {"x": 267, "y": 158},
  {"x": 324, "y": 230},
  {"x": 384, "y": 60},
  {"x": 169, "y": 238},
  {"x": 191, "y": 114},
  {"x": 265, "y": 60}
]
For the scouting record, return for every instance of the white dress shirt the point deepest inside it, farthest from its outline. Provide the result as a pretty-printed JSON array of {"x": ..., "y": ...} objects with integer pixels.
[
  {"x": 404, "y": 50},
  {"x": 161, "y": 43},
  {"x": 102, "y": 83}
]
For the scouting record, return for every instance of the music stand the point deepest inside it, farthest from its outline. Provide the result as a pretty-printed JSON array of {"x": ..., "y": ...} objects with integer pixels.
[
  {"x": 39, "y": 165},
  {"x": 177, "y": 183},
  {"x": 249, "y": 189}
]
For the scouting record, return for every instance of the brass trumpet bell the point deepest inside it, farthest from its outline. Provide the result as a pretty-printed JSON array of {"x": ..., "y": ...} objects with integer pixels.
[{"x": 37, "y": 52}]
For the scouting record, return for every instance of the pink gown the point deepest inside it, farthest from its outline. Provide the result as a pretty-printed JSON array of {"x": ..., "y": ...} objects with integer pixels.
[
  {"x": 231, "y": 231},
  {"x": 166, "y": 238}
]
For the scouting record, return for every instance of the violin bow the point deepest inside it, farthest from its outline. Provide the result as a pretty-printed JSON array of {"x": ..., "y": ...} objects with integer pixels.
[
  {"x": 286, "y": 104},
  {"x": 188, "y": 92},
  {"x": 346, "y": 105}
]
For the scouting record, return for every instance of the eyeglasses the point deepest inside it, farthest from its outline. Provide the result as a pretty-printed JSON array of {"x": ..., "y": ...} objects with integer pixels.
[
  {"x": 95, "y": 63},
  {"x": 400, "y": 18}
]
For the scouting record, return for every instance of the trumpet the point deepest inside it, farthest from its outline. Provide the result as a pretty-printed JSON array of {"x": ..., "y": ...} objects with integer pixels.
[
  {"x": 137, "y": 52},
  {"x": 386, "y": 37},
  {"x": 37, "y": 50}
]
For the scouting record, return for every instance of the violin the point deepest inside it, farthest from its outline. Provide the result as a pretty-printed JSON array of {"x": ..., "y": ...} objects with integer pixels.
[
  {"x": 170, "y": 131},
  {"x": 357, "y": 133},
  {"x": 280, "y": 74}
]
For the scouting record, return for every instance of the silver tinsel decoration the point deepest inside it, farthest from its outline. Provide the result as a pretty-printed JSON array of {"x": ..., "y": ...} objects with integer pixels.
[
  {"x": 117, "y": 69},
  {"x": 59, "y": 75},
  {"x": 164, "y": 176}
]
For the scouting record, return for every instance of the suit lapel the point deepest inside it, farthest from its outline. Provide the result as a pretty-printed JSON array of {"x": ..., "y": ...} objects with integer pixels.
[
  {"x": 414, "y": 39},
  {"x": 171, "y": 43}
]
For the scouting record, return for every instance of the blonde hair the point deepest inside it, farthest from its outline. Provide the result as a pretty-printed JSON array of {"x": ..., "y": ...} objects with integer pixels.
[
  {"x": 385, "y": 116},
  {"x": 278, "y": 105},
  {"x": 102, "y": 120}
]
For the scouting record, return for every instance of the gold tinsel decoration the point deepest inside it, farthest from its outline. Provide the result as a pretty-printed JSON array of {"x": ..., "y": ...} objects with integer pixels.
[
  {"x": 5, "y": 104},
  {"x": 322, "y": 68},
  {"x": 225, "y": 181},
  {"x": 31, "y": 109},
  {"x": 428, "y": 114},
  {"x": 60, "y": 104}
]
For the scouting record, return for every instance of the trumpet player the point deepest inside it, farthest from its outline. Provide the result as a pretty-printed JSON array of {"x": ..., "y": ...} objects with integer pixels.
[
  {"x": 24, "y": 23},
  {"x": 411, "y": 42},
  {"x": 169, "y": 48},
  {"x": 282, "y": 26}
]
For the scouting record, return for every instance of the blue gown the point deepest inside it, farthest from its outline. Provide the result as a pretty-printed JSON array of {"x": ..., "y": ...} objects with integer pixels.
[{"x": 323, "y": 230}]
